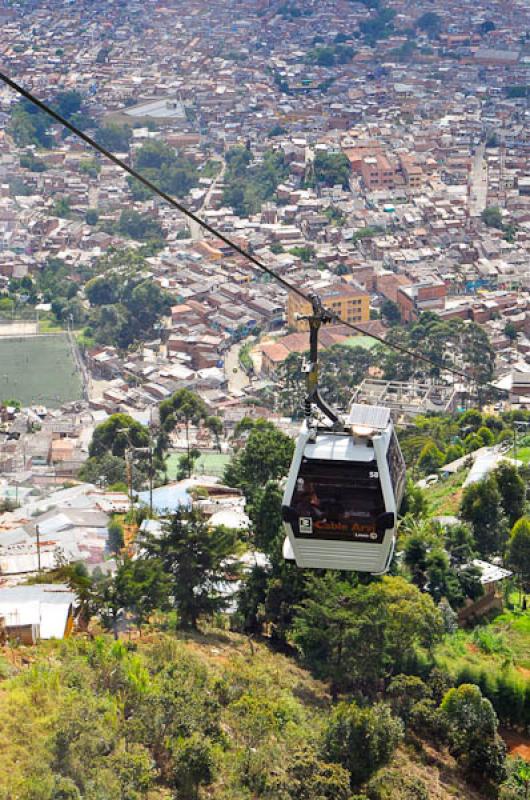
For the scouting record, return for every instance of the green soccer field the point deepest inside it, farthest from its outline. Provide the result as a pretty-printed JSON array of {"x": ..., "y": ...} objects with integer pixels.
[
  {"x": 38, "y": 370},
  {"x": 207, "y": 464}
]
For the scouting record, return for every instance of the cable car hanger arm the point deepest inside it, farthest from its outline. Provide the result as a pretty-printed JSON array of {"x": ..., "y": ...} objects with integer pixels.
[{"x": 320, "y": 316}]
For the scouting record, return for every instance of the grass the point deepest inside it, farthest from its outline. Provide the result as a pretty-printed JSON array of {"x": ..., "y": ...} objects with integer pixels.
[
  {"x": 49, "y": 325},
  {"x": 522, "y": 454},
  {"x": 39, "y": 370},
  {"x": 360, "y": 341},
  {"x": 514, "y": 626},
  {"x": 502, "y": 645},
  {"x": 207, "y": 464},
  {"x": 445, "y": 496}
]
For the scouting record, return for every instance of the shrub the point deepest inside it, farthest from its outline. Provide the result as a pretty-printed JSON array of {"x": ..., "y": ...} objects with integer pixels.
[
  {"x": 427, "y": 721},
  {"x": 361, "y": 739},
  {"x": 393, "y": 785},
  {"x": 403, "y": 692},
  {"x": 473, "y": 738}
]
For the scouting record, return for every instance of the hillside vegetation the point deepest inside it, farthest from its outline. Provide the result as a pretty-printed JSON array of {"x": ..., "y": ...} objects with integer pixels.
[
  {"x": 400, "y": 703},
  {"x": 162, "y": 716}
]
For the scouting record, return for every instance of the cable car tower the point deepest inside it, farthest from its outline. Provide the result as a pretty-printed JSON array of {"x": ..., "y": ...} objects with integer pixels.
[{"x": 346, "y": 479}]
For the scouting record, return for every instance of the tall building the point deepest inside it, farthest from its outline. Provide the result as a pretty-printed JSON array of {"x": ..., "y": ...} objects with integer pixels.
[{"x": 349, "y": 302}]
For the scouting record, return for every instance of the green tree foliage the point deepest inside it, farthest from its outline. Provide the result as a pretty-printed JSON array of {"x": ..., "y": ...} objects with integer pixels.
[
  {"x": 187, "y": 407},
  {"x": 29, "y": 125},
  {"x": 115, "y": 540},
  {"x": 116, "y": 434},
  {"x": 330, "y": 55},
  {"x": 403, "y": 693},
  {"x": 68, "y": 103},
  {"x": 481, "y": 507},
  {"x": 453, "y": 453},
  {"x": 276, "y": 130},
  {"x": 395, "y": 784},
  {"x": 307, "y": 777},
  {"x": 193, "y": 765},
  {"x": 460, "y": 544},
  {"x": 30, "y": 161},
  {"x": 114, "y": 137},
  {"x": 332, "y": 169},
  {"x": 160, "y": 163},
  {"x": 447, "y": 343},
  {"x": 415, "y": 502},
  {"x": 192, "y": 557},
  {"x": 511, "y": 331},
  {"x": 362, "y": 740},
  {"x": 90, "y": 167},
  {"x": 144, "y": 586},
  {"x": 415, "y": 557},
  {"x": 62, "y": 208},
  {"x": 270, "y": 596},
  {"x": 486, "y": 435},
  {"x": 518, "y": 552},
  {"x": 473, "y": 733},
  {"x": 390, "y": 312},
  {"x": 183, "y": 406},
  {"x": 487, "y": 26},
  {"x": 265, "y": 513},
  {"x": 103, "y": 290},
  {"x": 430, "y": 23},
  {"x": 361, "y": 635},
  {"x": 512, "y": 490},
  {"x": 57, "y": 286},
  {"x": 91, "y": 216},
  {"x": 430, "y": 458},
  {"x": 216, "y": 427},
  {"x": 492, "y": 217},
  {"x": 517, "y": 783},
  {"x": 306, "y": 253},
  {"x": 139, "y": 226},
  {"x": 340, "y": 368},
  {"x": 470, "y": 420},
  {"x": 186, "y": 463},
  {"x": 265, "y": 457},
  {"x": 378, "y": 26},
  {"x": 124, "y": 310},
  {"x": 247, "y": 186}
]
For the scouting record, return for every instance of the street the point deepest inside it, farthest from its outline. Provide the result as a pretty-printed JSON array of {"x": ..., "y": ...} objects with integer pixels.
[
  {"x": 235, "y": 374},
  {"x": 479, "y": 183}
]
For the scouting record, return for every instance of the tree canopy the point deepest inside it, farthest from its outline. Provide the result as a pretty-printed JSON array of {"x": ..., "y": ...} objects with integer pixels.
[
  {"x": 116, "y": 434},
  {"x": 246, "y": 185},
  {"x": 192, "y": 555},
  {"x": 266, "y": 456}
]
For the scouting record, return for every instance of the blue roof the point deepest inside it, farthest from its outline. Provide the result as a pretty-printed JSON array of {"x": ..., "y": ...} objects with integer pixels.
[{"x": 168, "y": 498}]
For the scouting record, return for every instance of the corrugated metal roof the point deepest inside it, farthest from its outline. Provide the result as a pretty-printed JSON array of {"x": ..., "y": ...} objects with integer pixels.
[
  {"x": 46, "y": 605},
  {"x": 490, "y": 572}
]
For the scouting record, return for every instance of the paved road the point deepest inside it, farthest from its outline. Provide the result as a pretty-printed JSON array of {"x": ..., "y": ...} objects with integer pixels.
[
  {"x": 479, "y": 183},
  {"x": 195, "y": 229},
  {"x": 238, "y": 379}
]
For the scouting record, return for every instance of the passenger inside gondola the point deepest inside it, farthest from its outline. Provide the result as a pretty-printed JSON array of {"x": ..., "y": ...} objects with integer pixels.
[
  {"x": 336, "y": 493},
  {"x": 306, "y": 501}
]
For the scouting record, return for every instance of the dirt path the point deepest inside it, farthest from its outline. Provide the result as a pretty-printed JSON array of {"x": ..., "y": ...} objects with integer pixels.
[{"x": 517, "y": 744}]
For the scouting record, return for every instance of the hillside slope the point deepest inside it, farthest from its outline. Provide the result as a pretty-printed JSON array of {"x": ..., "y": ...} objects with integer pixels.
[{"x": 162, "y": 717}]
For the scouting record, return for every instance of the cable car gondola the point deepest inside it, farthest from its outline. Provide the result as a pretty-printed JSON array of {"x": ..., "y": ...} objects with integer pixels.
[{"x": 345, "y": 484}]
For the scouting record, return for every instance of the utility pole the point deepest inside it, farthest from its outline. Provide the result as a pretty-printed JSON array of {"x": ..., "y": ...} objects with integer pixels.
[
  {"x": 37, "y": 531},
  {"x": 129, "y": 469},
  {"x": 150, "y": 479}
]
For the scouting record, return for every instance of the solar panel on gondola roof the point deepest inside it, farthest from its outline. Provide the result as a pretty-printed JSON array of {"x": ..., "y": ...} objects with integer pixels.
[{"x": 375, "y": 417}]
